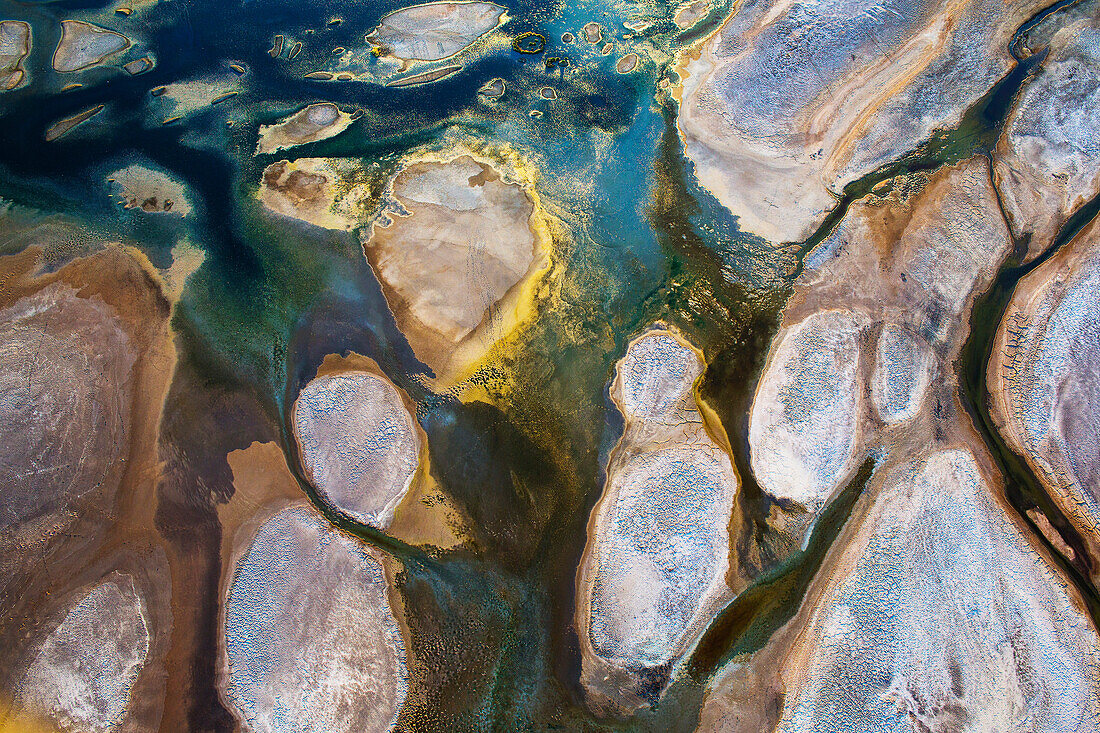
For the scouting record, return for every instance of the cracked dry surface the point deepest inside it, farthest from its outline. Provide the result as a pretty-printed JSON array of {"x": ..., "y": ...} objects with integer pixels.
[
  {"x": 653, "y": 572},
  {"x": 310, "y": 640},
  {"x": 879, "y": 309},
  {"x": 939, "y": 615},
  {"x": 788, "y": 102},
  {"x": 1048, "y": 158},
  {"x": 84, "y": 671},
  {"x": 1042, "y": 379},
  {"x": 358, "y": 443},
  {"x": 65, "y": 401},
  {"x": 460, "y": 241}
]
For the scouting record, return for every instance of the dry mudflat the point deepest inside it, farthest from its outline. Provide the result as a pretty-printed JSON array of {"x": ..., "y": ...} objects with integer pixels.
[
  {"x": 15, "y": 46},
  {"x": 654, "y": 569},
  {"x": 787, "y": 103},
  {"x": 84, "y": 45}
]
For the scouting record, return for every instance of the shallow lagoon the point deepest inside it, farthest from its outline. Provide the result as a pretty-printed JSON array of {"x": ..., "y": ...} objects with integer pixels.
[{"x": 518, "y": 440}]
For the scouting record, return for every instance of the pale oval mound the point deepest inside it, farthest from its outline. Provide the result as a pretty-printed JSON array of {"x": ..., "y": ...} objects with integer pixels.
[
  {"x": 903, "y": 372},
  {"x": 653, "y": 571},
  {"x": 65, "y": 367},
  {"x": 315, "y": 122},
  {"x": 943, "y": 618},
  {"x": 691, "y": 13},
  {"x": 83, "y": 45},
  {"x": 466, "y": 242},
  {"x": 661, "y": 547},
  {"x": 358, "y": 444},
  {"x": 805, "y": 423},
  {"x": 15, "y": 46},
  {"x": 311, "y": 641},
  {"x": 656, "y": 373},
  {"x": 434, "y": 31},
  {"x": 627, "y": 63},
  {"x": 494, "y": 88},
  {"x": 1048, "y": 160},
  {"x": 83, "y": 673},
  {"x": 139, "y": 66}
]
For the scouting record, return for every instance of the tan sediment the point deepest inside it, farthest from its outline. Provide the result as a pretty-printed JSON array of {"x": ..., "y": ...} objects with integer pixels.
[
  {"x": 262, "y": 484},
  {"x": 910, "y": 262},
  {"x": 1045, "y": 164},
  {"x": 75, "y": 50},
  {"x": 63, "y": 127},
  {"x": 453, "y": 311},
  {"x": 426, "y": 77},
  {"x": 318, "y": 121},
  {"x": 326, "y": 192},
  {"x": 15, "y": 45},
  {"x": 152, "y": 191},
  {"x": 120, "y": 534},
  {"x": 1025, "y": 388},
  {"x": 914, "y": 255}
]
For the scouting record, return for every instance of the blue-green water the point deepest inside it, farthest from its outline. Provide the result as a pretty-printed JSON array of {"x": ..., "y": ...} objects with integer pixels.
[{"x": 638, "y": 241}]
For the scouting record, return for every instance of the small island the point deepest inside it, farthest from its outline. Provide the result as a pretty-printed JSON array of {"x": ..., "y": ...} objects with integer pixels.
[
  {"x": 434, "y": 31},
  {"x": 15, "y": 46},
  {"x": 315, "y": 122},
  {"x": 467, "y": 242},
  {"x": 654, "y": 569},
  {"x": 84, "y": 45}
]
